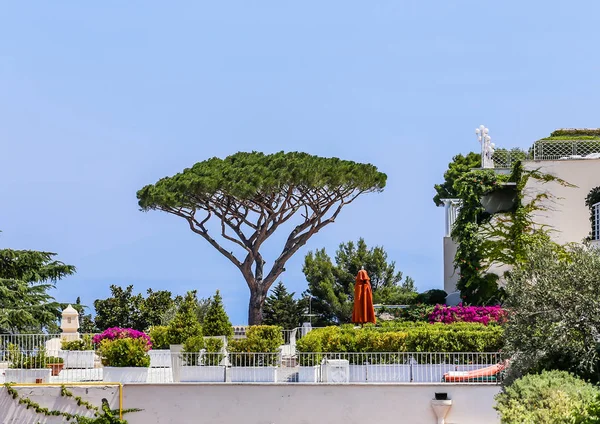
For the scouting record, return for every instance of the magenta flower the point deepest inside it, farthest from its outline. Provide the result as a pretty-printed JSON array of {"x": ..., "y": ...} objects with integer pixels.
[
  {"x": 121, "y": 333},
  {"x": 460, "y": 313}
]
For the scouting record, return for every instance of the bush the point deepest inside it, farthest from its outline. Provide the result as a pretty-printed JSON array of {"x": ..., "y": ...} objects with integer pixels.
[
  {"x": 185, "y": 323},
  {"x": 213, "y": 351},
  {"x": 404, "y": 337},
  {"x": 26, "y": 360},
  {"x": 159, "y": 336},
  {"x": 480, "y": 314},
  {"x": 551, "y": 397},
  {"x": 259, "y": 339},
  {"x": 81, "y": 344},
  {"x": 125, "y": 352},
  {"x": 54, "y": 360},
  {"x": 432, "y": 297},
  {"x": 415, "y": 313}
]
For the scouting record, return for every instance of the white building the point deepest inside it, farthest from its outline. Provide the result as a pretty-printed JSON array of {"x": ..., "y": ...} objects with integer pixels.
[{"x": 571, "y": 155}]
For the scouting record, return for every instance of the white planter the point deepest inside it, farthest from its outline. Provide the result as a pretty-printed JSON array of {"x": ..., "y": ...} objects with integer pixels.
[
  {"x": 160, "y": 358},
  {"x": 78, "y": 358},
  {"x": 308, "y": 374},
  {"x": 253, "y": 374},
  {"x": 357, "y": 373},
  {"x": 201, "y": 373},
  {"x": 27, "y": 376},
  {"x": 336, "y": 371},
  {"x": 125, "y": 374},
  {"x": 398, "y": 373}
]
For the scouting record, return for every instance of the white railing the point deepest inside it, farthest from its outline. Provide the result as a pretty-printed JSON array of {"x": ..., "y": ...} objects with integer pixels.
[
  {"x": 392, "y": 367},
  {"x": 596, "y": 222},
  {"x": 566, "y": 149}
]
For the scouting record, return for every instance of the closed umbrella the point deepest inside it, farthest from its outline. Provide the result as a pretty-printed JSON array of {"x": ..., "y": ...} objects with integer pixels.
[{"x": 363, "y": 311}]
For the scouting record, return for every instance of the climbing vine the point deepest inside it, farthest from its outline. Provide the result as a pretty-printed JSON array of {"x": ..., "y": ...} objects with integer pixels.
[
  {"x": 101, "y": 415},
  {"x": 484, "y": 239}
]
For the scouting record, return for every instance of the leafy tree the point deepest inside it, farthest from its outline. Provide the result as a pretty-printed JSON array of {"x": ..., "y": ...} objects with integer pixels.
[
  {"x": 459, "y": 166},
  {"x": 282, "y": 309},
  {"x": 250, "y": 195},
  {"x": 26, "y": 276},
  {"x": 185, "y": 323},
  {"x": 216, "y": 321},
  {"x": 331, "y": 287},
  {"x": 432, "y": 297},
  {"x": 202, "y": 305},
  {"x": 554, "y": 320},
  {"x": 124, "y": 309}
]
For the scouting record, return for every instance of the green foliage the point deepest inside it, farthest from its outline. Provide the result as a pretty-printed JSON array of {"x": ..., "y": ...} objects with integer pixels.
[
  {"x": 26, "y": 359},
  {"x": 504, "y": 158},
  {"x": 85, "y": 343},
  {"x": 54, "y": 360},
  {"x": 554, "y": 311},
  {"x": 576, "y": 133},
  {"x": 591, "y": 199},
  {"x": 101, "y": 415},
  {"x": 251, "y": 195},
  {"x": 459, "y": 166},
  {"x": 213, "y": 351},
  {"x": 201, "y": 309},
  {"x": 159, "y": 335},
  {"x": 331, "y": 287},
  {"x": 259, "y": 338},
  {"x": 126, "y": 310},
  {"x": 432, "y": 297},
  {"x": 404, "y": 337},
  {"x": 216, "y": 321},
  {"x": 126, "y": 352},
  {"x": 282, "y": 309},
  {"x": 26, "y": 277},
  {"x": 185, "y": 323},
  {"x": 592, "y": 414},
  {"x": 552, "y": 397}
]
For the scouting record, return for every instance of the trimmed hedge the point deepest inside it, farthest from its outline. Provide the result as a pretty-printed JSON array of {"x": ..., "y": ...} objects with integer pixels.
[{"x": 404, "y": 337}]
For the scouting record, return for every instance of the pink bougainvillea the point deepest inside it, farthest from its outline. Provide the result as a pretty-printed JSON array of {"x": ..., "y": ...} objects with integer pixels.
[
  {"x": 121, "y": 333},
  {"x": 460, "y": 313}
]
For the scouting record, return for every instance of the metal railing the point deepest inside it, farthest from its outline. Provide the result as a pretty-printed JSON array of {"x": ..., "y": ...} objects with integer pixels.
[
  {"x": 32, "y": 342},
  {"x": 316, "y": 368},
  {"x": 566, "y": 149}
]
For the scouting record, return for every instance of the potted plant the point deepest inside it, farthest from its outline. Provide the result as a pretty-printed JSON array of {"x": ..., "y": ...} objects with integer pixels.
[
  {"x": 27, "y": 366},
  {"x": 78, "y": 353},
  {"x": 55, "y": 364},
  {"x": 160, "y": 355},
  {"x": 255, "y": 358},
  {"x": 202, "y": 358},
  {"x": 124, "y": 353}
]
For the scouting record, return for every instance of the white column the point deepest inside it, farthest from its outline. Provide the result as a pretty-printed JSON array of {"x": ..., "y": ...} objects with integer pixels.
[{"x": 451, "y": 209}]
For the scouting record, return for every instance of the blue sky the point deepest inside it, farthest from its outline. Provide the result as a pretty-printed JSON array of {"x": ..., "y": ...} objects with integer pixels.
[{"x": 99, "y": 99}]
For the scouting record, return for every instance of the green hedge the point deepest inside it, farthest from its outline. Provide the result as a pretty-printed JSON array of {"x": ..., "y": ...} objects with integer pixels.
[
  {"x": 404, "y": 337},
  {"x": 265, "y": 339},
  {"x": 547, "y": 398}
]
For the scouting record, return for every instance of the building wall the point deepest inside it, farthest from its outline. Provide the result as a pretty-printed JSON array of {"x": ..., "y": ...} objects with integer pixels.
[
  {"x": 567, "y": 216},
  {"x": 450, "y": 273},
  {"x": 273, "y": 403}
]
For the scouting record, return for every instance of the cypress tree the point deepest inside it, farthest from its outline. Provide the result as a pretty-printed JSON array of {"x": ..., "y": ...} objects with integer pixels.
[{"x": 216, "y": 321}]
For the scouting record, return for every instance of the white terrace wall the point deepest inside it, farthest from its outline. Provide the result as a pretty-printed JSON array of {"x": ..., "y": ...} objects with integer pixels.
[{"x": 270, "y": 403}]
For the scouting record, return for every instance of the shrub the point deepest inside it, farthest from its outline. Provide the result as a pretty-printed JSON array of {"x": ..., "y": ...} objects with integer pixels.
[
  {"x": 216, "y": 321},
  {"x": 54, "y": 360},
  {"x": 548, "y": 398},
  {"x": 480, "y": 314},
  {"x": 80, "y": 344},
  {"x": 159, "y": 336},
  {"x": 125, "y": 352},
  {"x": 26, "y": 360},
  {"x": 212, "y": 347},
  {"x": 416, "y": 313},
  {"x": 432, "y": 297},
  {"x": 124, "y": 347},
  {"x": 259, "y": 339},
  {"x": 185, "y": 323}
]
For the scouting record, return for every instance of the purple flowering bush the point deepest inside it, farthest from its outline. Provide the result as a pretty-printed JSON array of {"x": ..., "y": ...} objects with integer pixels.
[
  {"x": 480, "y": 314},
  {"x": 123, "y": 347}
]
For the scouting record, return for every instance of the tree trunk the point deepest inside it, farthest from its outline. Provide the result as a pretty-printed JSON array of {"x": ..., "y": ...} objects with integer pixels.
[{"x": 255, "y": 308}]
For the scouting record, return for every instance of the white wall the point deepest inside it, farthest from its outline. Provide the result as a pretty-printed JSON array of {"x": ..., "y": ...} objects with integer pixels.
[
  {"x": 568, "y": 216},
  {"x": 12, "y": 412},
  {"x": 269, "y": 403},
  {"x": 307, "y": 404}
]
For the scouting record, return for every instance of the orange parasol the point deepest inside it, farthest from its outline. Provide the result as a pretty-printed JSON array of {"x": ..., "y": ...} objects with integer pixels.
[{"x": 363, "y": 311}]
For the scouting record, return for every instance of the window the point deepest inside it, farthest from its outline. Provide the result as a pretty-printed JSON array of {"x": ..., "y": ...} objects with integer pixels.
[{"x": 596, "y": 221}]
